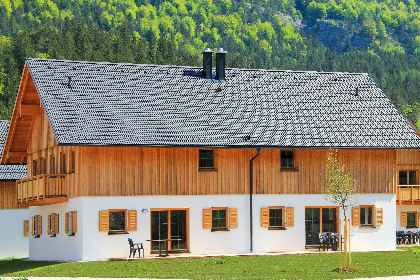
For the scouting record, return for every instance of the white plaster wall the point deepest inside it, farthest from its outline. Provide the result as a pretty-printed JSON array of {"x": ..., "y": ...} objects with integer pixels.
[
  {"x": 100, "y": 245},
  {"x": 12, "y": 242},
  {"x": 90, "y": 244},
  {"x": 405, "y": 208},
  {"x": 61, "y": 247},
  {"x": 294, "y": 239},
  {"x": 379, "y": 238}
]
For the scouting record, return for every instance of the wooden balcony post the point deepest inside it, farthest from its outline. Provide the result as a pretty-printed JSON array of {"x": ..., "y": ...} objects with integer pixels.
[{"x": 412, "y": 197}]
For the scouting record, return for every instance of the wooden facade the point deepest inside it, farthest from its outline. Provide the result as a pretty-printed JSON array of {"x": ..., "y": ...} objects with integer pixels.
[
  {"x": 124, "y": 171},
  {"x": 8, "y": 195}
]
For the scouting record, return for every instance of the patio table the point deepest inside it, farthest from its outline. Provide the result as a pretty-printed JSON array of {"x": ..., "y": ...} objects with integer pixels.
[{"x": 160, "y": 247}]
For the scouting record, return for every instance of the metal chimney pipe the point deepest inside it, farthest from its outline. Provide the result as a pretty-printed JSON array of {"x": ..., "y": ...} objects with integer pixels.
[
  {"x": 207, "y": 63},
  {"x": 220, "y": 64}
]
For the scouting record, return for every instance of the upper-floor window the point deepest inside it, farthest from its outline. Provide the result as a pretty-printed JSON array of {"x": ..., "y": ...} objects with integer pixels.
[
  {"x": 206, "y": 159},
  {"x": 52, "y": 165},
  {"x": 73, "y": 161},
  {"x": 63, "y": 163},
  {"x": 287, "y": 159},
  {"x": 43, "y": 165},
  {"x": 35, "y": 168},
  {"x": 407, "y": 178}
]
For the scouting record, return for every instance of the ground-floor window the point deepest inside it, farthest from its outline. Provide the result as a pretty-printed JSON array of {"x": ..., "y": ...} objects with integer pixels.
[
  {"x": 169, "y": 227},
  {"x": 366, "y": 215}
]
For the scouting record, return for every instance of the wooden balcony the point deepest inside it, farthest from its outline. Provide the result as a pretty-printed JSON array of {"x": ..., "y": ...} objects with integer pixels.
[
  {"x": 43, "y": 189},
  {"x": 408, "y": 194}
]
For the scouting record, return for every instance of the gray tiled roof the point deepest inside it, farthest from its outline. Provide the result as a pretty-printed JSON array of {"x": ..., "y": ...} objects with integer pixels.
[
  {"x": 10, "y": 171},
  {"x": 4, "y": 126},
  {"x": 128, "y": 104}
]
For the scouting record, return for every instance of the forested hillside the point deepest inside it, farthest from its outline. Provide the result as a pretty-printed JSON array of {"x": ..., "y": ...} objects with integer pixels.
[{"x": 378, "y": 37}]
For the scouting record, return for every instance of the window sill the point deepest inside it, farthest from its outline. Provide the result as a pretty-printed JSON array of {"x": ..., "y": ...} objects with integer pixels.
[
  {"x": 219, "y": 229},
  {"x": 117, "y": 232},
  {"x": 289, "y": 169},
  {"x": 367, "y": 226},
  {"x": 276, "y": 228},
  {"x": 207, "y": 169},
  {"x": 411, "y": 227}
]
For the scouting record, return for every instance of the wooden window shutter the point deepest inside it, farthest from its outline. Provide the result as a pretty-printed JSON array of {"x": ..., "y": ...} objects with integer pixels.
[
  {"x": 25, "y": 227},
  {"x": 104, "y": 220},
  {"x": 49, "y": 224},
  {"x": 207, "y": 217},
  {"x": 39, "y": 222},
  {"x": 33, "y": 225},
  {"x": 74, "y": 221},
  {"x": 66, "y": 223},
  {"x": 379, "y": 216},
  {"x": 233, "y": 217},
  {"x": 55, "y": 224},
  {"x": 265, "y": 217},
  {"x": 418, "y": 219},
  {"x": 403, "y": 219},
  {"x": 355, "y": 216},
  {"x": 290, "y": 217},
  {"x": 132, "y": 220}
]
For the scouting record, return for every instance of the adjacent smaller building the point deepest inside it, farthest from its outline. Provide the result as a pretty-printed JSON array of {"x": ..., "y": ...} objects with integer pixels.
[{"x": 14, "y": 240}]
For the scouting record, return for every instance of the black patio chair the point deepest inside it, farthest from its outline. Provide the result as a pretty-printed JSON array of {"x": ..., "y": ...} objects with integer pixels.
[{"x": 134, "y": 247}]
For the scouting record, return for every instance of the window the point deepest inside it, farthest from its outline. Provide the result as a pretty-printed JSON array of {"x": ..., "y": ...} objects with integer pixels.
[
  {"x": 410, "y": 219},
  {"x": 52, "y": 165},
  {"x": 116, "y": 221},
  {"x": 70, "y": 223},
  {"x": 52, "y": 224},
  {"x": 43, "y": 166},
  {"x": 367, "y": 215},
  {"x": 35, "y": 168},
  {"x": 287, "y": 159},
  {"x": 277, "y": 217},
  {"x": 73, "y": 161},
  {"x": 220, "y": 218},
  {"x": 63, "y": 163},
  {"x": 36, "y": 226},
  {"x": 206, "y": 159},
  {"x": 407, "y": 178}
]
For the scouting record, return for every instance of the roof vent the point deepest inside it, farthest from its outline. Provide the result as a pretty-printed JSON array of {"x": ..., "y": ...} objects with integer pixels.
[
  {"x": 69, "y": 82},
  {"x": 220, "y": 64},
  {"x": 207, "y": 63},
  {"x": 357, "y": 92}
]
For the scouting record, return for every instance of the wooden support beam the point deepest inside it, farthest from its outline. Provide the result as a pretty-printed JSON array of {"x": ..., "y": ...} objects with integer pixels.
[
  {"x": 17, "y": 154},
  {"x": 29, "y": 110}
]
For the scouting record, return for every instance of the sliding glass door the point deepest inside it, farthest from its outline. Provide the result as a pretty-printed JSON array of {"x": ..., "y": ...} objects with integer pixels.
[
  {"x": 172, "y": 225},
  {"x": 319, "y": 219}
]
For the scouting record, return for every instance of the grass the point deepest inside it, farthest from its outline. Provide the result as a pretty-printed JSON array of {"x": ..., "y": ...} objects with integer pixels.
[{"x": 312, "y": 266}]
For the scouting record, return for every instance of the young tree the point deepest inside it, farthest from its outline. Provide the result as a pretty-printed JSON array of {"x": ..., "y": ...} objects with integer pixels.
[{"x": 339, "y": 187}]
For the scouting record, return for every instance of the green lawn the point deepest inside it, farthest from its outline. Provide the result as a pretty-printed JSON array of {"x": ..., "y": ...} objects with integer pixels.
[{"x": 314, "y": 266}]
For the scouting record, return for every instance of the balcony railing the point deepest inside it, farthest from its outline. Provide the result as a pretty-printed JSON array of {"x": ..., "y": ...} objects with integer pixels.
[
  {"x": 41, "y": 189},
  {"x": 408, "y": 194}
]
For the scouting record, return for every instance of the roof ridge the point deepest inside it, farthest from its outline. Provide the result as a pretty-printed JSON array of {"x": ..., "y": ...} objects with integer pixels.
[{"x": 192, "y": 67}]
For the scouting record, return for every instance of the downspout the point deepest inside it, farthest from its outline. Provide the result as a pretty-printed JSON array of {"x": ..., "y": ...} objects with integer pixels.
[{"x": 251, "y": 189}]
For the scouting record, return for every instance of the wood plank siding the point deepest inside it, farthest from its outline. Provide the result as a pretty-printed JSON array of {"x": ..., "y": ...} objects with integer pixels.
[
  {"x": 8, "y": 195},
  {"x": 125, "y": 171}
]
